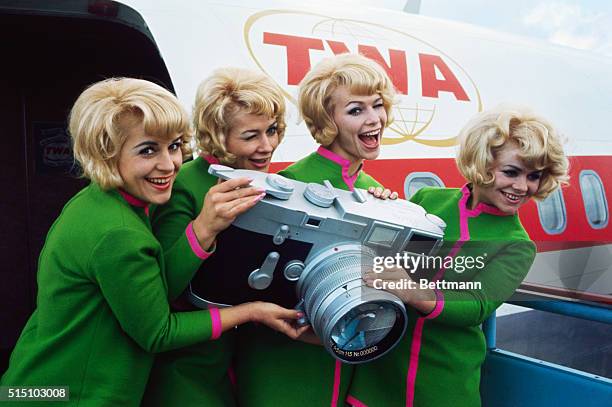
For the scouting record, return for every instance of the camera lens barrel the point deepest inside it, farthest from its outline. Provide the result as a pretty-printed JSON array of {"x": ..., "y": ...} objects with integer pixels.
[{"x": 356, "y": 323}]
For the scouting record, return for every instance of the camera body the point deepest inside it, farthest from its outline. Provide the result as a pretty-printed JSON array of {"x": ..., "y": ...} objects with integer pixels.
[{"x": 309, "y": 244}]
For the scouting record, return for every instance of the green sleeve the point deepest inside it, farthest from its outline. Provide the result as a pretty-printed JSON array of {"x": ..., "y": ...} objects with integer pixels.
[
  {"x": 417, "y": 197},
  {"x": 499, "y": 279},
  {"x": 364, "y": 181},
  {"x": 287, "y": 173},
  {"x": 169, "y": 223},
  {"x": 125, "y": 266}
]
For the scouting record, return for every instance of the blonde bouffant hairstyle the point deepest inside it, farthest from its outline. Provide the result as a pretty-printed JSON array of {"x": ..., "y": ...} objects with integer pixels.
[
  {"x": 223, "y": 94},
  {"x": 361, "y": 75},
  {"x": 541, "y": 147},
  {"x": 104, "y": 113}
]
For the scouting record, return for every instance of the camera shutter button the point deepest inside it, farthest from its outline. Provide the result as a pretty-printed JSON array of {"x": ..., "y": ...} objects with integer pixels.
[
  {"x": 280, "y": 182},
  {"x": 319, "y": 195}
]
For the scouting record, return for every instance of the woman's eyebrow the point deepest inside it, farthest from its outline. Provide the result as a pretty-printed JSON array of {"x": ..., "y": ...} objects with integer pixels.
[
  {"x": 514, "y": 167},
  {"x": 257, "y": 130},
  {"x": 359, "y": 102},
  {"x": 146, "y": 143}
]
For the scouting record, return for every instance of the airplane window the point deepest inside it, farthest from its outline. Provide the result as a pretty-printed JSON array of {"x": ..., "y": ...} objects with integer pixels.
[
  {"x": 594, "y": 197},
  {"x": 552, "y": 213},
  {"x": 417, "y": 180}
]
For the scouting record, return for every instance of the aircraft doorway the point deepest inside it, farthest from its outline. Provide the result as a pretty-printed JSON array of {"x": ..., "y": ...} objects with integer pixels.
[{"x": 49, "y": 56}]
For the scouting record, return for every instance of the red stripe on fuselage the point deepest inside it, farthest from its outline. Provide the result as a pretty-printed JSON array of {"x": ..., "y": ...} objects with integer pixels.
[{"x": 578, "y": 232}]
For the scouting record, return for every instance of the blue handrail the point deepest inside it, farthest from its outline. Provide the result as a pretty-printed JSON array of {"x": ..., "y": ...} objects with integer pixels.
[
  {"x": 510, "y": 379},
  {"x": 582, "y": 310},
  {"x": 586, "y": 311},
  {"x": 489, "y": 327}
]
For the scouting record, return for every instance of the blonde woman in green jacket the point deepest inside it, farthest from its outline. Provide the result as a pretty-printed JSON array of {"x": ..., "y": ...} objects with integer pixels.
[
  {"x": 239, "y": 121},
  {"x": 507, "y": 156},
  {"x": 346, "y": 103},
  {"x": 102, "y": 307}
]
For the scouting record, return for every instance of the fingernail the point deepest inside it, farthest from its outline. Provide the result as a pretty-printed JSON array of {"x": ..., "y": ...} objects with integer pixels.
[
  {"x": 300, "y": 314},
  {"x": 259, "y": 197},
  {"x": 260, "y": 190}
]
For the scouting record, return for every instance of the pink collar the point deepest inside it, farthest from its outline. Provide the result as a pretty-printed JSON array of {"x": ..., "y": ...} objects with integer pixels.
[
  {"x": 211, "y": 159},
  {"x": 349, "y": 180},
  {"x": 480, "y": 208},
  {"x": 132, "y": 200}
]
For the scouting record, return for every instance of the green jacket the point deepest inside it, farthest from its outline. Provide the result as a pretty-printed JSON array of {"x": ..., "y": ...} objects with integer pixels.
[
  {"x": 170, "y": 222},
  {"x": 324, "y": 165},
  {"x": 273, "y": 370},
  {"x": 102, "y": 306},
  {"x": 438, "y": 361},
  {"x": 198, "y": 374}
]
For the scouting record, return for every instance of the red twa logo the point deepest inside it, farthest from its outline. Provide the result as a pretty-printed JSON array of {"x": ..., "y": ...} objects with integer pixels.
[
  {"x": 298, "y": 64},
  {"x": 436, "y": 95}
]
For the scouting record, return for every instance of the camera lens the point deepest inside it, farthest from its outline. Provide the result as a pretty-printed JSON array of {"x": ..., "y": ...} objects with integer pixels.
[
  {"x": 364, "y": 326},
  {"x": 356, "y": 323}
]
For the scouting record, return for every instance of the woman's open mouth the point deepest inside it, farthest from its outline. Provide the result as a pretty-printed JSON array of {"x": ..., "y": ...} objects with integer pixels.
[
  {"x": 512, "y": 198},
  {"x": 160, "y": 183},
  {"x": 370, "y": 139},
  {"x": 260, "y": 162}
]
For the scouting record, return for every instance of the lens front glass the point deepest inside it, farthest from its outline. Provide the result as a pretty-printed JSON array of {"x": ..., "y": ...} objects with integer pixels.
[{"x": 364, "y": 326}]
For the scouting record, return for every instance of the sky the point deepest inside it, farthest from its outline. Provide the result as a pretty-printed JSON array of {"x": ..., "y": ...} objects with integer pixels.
[{"x": 585, "y": 24}]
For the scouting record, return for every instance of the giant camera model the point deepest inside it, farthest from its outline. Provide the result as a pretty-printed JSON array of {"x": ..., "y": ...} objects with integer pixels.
[{"x": 309, "y": 244}]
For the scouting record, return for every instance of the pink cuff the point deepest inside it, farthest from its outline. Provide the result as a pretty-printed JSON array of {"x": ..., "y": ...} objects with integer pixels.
[
  {"x": 352, "y": 401},
  {"x": 216, "y": 323},
  {"x": 195, "y": 245},
  {"x": 439, "y": 305}
]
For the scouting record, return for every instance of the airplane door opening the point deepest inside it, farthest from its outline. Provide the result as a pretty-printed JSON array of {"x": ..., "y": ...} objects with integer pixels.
[{"x": 50, "y": 53}]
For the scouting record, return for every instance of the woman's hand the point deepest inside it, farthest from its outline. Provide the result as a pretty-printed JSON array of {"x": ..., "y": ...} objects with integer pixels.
[
  {"x": 397, "y": 281},
  {"x": 308, "y": 336},
  {"x": 383, "y": 194},
  {"x": 222, "y": 204},
  {"x": 278, "y": 318},
  {"x": 283, "y": 320}
]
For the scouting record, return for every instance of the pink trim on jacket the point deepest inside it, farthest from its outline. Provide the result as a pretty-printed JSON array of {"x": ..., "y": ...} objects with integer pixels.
[
  {"x": 417, "y": 335},
  {"x": 413, "y": 363},
  {"x": 337, "y": 377},
  {"x": 480, "y": 208},
  {"x": 195, "y": 244},
  {"x": 464, "y": 213},
  {"x": 344, "y": 164},
  {"x": 352, "y": 401},
  {"x": 217, "y": 328},
  {"x": 439, "y": 305},
  {"x": 211, "y": 159},
  {"x": 132, "y": 200}
]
